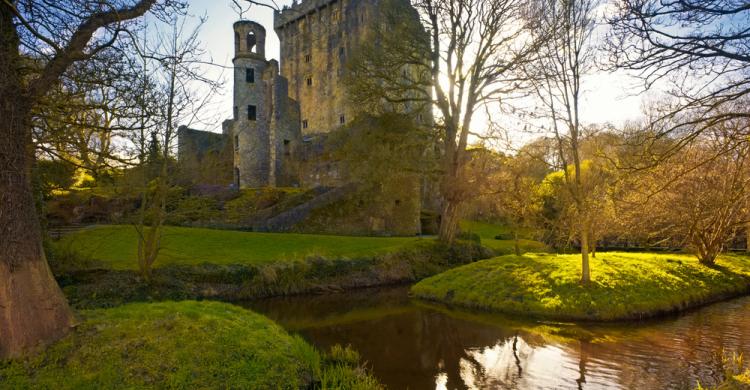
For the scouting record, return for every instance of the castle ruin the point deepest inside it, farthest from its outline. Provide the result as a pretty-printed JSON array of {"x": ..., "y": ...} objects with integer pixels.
[{"x": 284, "y": 109}]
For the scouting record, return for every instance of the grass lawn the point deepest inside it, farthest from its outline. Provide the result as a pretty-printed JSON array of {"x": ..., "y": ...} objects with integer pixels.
[
  {"x": 488, "y": 231},
  {"x": 116, "y": 246},
  {"x": 624, "y": 285},
  {"x": 190, "y": 345}
]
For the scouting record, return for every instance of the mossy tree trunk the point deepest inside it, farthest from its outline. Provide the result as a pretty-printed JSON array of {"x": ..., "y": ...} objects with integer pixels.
[{"x": 516, "y": 244}]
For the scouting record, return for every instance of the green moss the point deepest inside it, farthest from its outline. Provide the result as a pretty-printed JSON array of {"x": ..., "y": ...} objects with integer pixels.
[
  {"x": 178, "y": 345},
  {"x": 115, "y": 246},
  {"x": 624, "y": 285}
]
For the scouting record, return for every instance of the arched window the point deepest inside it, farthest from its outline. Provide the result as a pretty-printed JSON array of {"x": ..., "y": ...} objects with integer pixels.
[
  {"x": 236, "y": 42},
  {"x": 251, "y": 42}
]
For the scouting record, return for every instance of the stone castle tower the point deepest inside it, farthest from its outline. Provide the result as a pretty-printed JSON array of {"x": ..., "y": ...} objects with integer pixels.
[
  {"x": 317, "y": 39},
  {"x": 265, "y": 120},
  {"x": 283, "y": 114},
  {"x": 283, "y": 111}
]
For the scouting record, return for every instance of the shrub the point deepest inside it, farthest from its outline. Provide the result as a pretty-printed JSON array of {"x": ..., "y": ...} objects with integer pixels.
[{"x": 470, "y": 236}]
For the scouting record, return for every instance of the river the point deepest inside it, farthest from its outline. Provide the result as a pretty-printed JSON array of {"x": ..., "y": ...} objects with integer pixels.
[{"x": 410, "y": 344}]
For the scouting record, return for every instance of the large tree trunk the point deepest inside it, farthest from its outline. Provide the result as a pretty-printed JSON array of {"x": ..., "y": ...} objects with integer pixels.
[{"x": 33, "y": 310}]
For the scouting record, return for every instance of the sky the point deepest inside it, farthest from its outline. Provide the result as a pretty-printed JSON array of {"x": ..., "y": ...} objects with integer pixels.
[{"x": 608, "y": 98}]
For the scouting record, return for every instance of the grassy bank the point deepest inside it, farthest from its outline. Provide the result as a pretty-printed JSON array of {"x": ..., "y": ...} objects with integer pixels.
[
  {"x": 115, "y": 246},
  {"x": 183, "y": 345},
  {"x": 489, "y": 234},
  {"x": 624, "y": 286},
  {"x": 94, "y": 284}
]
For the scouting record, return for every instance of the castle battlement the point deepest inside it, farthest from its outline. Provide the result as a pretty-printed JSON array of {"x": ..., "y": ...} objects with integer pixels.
[{"x": 299, "y": 11}]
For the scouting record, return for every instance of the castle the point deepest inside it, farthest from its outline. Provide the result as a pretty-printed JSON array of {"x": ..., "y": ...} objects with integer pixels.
[{"x": 284, "y": 110}]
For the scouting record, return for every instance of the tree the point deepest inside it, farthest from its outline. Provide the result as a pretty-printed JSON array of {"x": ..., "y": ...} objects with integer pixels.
[
  {"x": 564, "y": 58},
  {"x": 700, "y": 49},
  {"x": 699, "y": 196},
  {"x": 33, "y": 310},
  {"x": 381, "y": 150},
  {"x": 173, "y": 91},
  {"x": 79, "y": 118},
  {"x": 463, "y": 58},
  {"x": 516, "y": 193}
]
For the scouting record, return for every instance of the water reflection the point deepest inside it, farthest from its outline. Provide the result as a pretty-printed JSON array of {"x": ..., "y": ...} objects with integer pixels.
[{"x": 410, "y": 345}]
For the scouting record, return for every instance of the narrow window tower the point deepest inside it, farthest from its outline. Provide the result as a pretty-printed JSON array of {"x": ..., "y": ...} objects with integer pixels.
[{"x": 252, "y": 127}]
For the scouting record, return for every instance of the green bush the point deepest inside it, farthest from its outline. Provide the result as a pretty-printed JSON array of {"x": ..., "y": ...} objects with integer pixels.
[
  {"x": 341, "y": 369},
  {"x": 470, "y": 236},
  {"x": 63, "y": 259},
  {"x": 505, "y": 236}
]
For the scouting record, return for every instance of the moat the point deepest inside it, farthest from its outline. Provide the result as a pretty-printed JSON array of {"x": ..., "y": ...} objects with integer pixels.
[{"x": 413, "y": 345}]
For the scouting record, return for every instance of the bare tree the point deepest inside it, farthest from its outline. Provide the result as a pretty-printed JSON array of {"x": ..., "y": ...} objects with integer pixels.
[
  {"x": 56, "y": 35},
  {"x": 174, "y": 91},
  {"x": 79, "y": 119},
  {"x": 563, "y": 60},
  {"x": 698, "y": 197},
  {"x": 699, "y": 50}
]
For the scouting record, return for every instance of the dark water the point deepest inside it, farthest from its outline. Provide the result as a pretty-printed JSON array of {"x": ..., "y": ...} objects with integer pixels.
[{"x": 413, "y": 345}]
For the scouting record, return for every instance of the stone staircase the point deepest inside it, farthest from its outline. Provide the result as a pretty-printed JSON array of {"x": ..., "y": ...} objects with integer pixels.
[{"x": 285, "y": 220}]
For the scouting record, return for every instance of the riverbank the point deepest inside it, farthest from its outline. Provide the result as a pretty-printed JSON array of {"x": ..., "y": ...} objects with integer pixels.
[
  {"x": 92, "y": 276},
  {"x": 410, "y": 343},
  {"x": 183, "y": 345},
  {"x": 625, "y": 286}
]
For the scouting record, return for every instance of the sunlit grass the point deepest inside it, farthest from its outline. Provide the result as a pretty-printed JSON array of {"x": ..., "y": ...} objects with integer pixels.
[
  {"x": 116, "y": 246},
  {"x": 190, "y": 345},
  {"x": 625, "y": 285}
]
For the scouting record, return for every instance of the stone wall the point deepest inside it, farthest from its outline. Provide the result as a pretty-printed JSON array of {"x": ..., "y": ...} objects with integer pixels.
[{"x": 204, "y": 157}]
